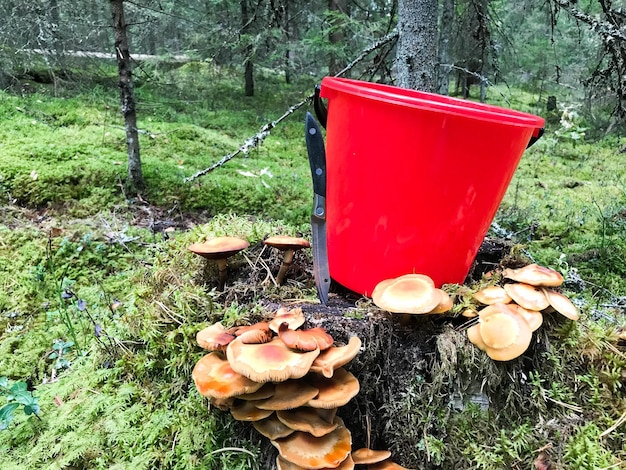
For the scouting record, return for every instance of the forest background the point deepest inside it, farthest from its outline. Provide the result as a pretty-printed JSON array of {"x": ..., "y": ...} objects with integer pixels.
[{"x": 100, "y": 301}]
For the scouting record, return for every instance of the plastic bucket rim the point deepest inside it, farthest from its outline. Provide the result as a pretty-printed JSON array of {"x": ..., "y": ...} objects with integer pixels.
[{"x": 429, "y": 102}]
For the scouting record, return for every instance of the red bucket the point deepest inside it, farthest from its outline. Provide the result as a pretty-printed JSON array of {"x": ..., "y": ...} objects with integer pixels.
[{"x": 413, "y": 180}]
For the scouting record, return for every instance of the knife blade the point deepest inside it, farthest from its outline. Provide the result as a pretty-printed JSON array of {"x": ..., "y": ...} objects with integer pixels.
[{"x": 317, "y": 160}]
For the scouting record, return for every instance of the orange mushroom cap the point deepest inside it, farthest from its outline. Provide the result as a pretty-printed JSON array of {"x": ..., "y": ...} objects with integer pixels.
[
  {"x": 244, "y": 410},
  {"x": 215, "y": 378},
  {"x": 293, "y": 317},
  {"x": 307, "y": 420},
  {"x": 272, "y": 428},
  {"x": 534, "y": 275},
  {"x": 310, "y": 452},
  {"x": 528, "y": 296},
  {"x": 288, "y": 395},
  {"x": 335, "y": 357},
  {"x": 411, "y": 293},
  {"x": 305, "y": 340},
  {"x": 445, "y": 304},
  {"x": 366, "y": 456},
  {"x": 335, "y": 391},
  {"x": 562, "y": 304},
  {"x": 269, "y": 362},
  {"x": 505, "y": 333},
  {"x": 214, "y": 338},
  {"x": 492, "y": 294}
]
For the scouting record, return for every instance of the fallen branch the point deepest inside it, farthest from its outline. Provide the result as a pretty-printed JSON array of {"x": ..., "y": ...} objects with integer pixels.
[{"x": 258, "y": 138}]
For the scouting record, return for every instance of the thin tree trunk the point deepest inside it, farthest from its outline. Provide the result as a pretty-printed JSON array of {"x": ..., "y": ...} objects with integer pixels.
[
  {"x": 416, "y": 57},
  {"x": 248, "y": 65},
  {"x": 445, "y": 36},
  {"x": 127, "y": 99}
]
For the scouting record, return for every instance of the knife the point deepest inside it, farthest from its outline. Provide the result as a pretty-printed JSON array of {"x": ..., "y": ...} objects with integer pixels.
[{"x": 317, "y": 160}]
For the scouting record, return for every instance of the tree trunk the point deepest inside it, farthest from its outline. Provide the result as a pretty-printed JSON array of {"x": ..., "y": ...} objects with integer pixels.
[
  {"x": 336, "y": 35},
  {"x": 416, "y": 57},
  {"x": 248, "y": 65},
  {"x": 127, "y": 99},
  {"x": 445, "y": 36}
]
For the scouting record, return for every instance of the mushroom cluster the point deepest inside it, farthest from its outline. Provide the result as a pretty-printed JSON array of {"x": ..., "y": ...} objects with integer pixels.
[
  {"x": 411, "y": 294},
  {"x": 289, "y": 383},
  {"x": 221, "y": 248},
  {"x": 511, "y": 312}
]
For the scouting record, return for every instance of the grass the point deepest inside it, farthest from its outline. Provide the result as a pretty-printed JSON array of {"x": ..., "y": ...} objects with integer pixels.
[{"x": 78, "y": 253}]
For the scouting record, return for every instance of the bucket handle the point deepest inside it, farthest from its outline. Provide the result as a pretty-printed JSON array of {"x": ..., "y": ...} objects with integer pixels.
[
  {"x": 322, "y": 116},
  {"x": 539, "y": 132},
  {"x": 320, "y": 109}
]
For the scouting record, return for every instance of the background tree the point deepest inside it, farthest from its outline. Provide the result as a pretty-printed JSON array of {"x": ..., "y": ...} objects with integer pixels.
[{"x": 127, "y": 98}]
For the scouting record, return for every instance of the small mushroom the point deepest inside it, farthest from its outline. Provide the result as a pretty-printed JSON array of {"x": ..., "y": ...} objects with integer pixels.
[
  {"x": 335, "y": 391},
  {"x": 411, "y": 293},
  {"x": 293, "y": 317},
  {"x": 366, "y": 456},
  {"x": 305, "y": 340},
  {"x": 220, "y": 249},
  {"x": 505, "y": 333},
  {"x": 335, "y": 357},
  {"x": 534, "y": 275},
  {"x": 528, "y": 296},
  {"x": 272, "y": 428},
  {"x": 307, "y": 420},
  {"x": 532, "y": 317},
  {"x": 562, "y": 304},
  {"x": 214, "y": 338},
  {"x": 244, "y": 410},
  {"x": 492, "y": 294},
  {"x": 445, "y": 304},
  {"x": 288, "y": 245}
]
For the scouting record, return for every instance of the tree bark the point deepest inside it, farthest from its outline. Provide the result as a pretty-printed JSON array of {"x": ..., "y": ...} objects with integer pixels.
[
  {"x": 445, "y": 36},
  {"x": 127, "y": 99},
  {"x": 416, "y": 57}
]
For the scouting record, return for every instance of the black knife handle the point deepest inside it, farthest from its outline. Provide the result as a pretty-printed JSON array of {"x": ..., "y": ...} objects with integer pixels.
[
  {"x": 317, "y": 154},
  {"x": 320, "y": 110}
]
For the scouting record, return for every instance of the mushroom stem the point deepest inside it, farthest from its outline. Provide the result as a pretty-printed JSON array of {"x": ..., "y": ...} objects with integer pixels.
[
  {"x": 222, "y": 269},
  {"x": 284, "y": 267}
]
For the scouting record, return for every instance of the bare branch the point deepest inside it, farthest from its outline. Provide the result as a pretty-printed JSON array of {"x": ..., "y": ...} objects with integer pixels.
[{"x": 258, "y": 138}]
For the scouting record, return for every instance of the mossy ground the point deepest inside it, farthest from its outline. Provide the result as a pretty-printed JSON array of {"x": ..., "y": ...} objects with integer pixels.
[{"x": 125, "y": 398}]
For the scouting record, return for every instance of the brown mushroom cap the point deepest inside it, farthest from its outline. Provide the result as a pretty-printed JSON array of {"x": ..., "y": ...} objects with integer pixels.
[
  {"x": 335, "y": 357},
  {"x": 288, "y": 395},
  {"x": 310, "y": 452},
  {"x": 307, "y": 420},
  {"x": 266, "y": 391},
  {"x": 505, "y": 333},
  {"x": 534, "y": 275},
  {"x": 335, "y": 391},
  {"x": 293, "y": 317},
  {"x": 411, "y": 293},
  {"x": 562, "y": 304},
  {"x": 366, "y": 456},
  {"x": 214, "y": 338},
  {"x": 528, "y": 296},
  {"x": 305, "y": 340},
  {"x": 272, "y": 428},
  {"x": 219, "y": 248},
  {"x": 215, "y": 378},
  {"x": 492, "y": 294},
  {"x": 285, "y": 242},
  {"x": 269, "y": 362}
]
